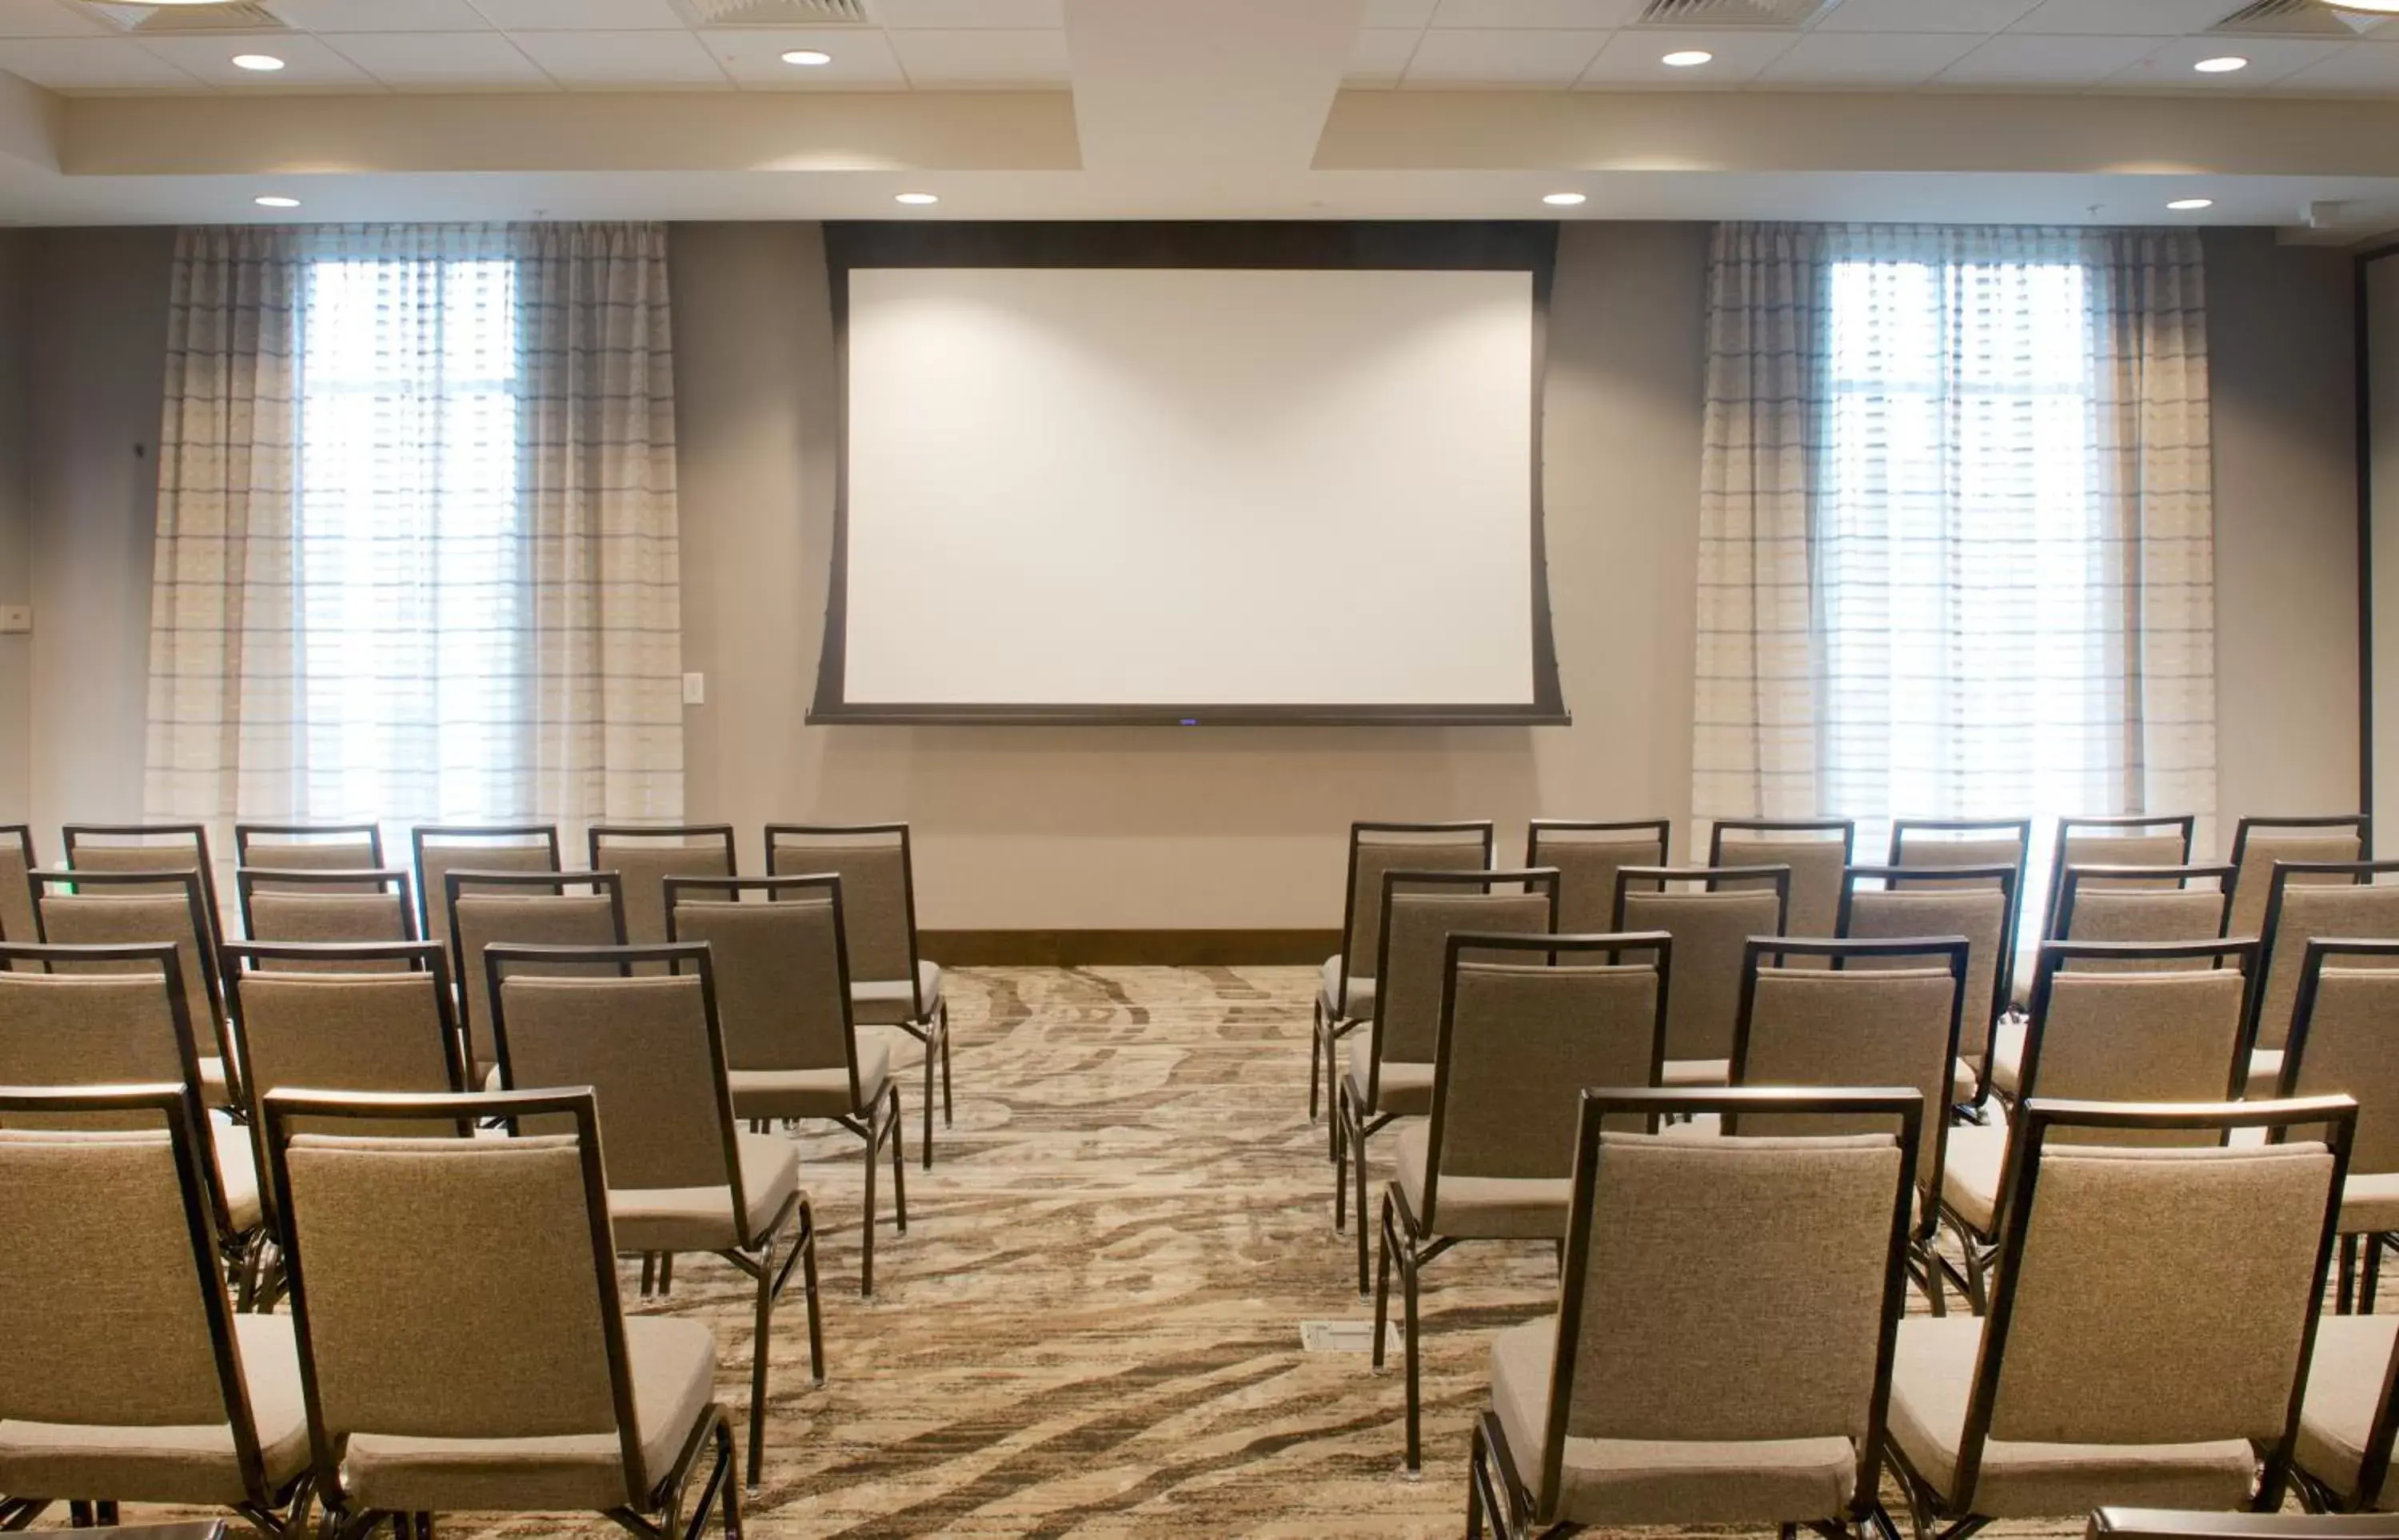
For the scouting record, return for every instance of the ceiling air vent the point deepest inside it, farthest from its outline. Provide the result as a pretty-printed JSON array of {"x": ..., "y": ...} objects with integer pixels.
[
  {"x": 777, "y": 13},
  {"x": 150, "y": 20},
  {"x": 1731, "y": 13},
  {"x": 2291, "y": 19}
]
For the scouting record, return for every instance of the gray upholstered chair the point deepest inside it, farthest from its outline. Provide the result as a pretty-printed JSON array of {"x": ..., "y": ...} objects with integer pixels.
[
  {"x": 646, "y": 856},
  {"x": 1345, "y": 986},
  {"x": 436, "y": 850},
  {"x": 1389, "y": 1075},
  {"x": 1817, "y": 851},
  {"x": 891, "y": 984},
  {"x": 790, "y": 1045},
  {"x": 1869, "y": 1013},
  {"x": 1711, "y": 912},
  {"x": 308, "y": 846},
  {"x": 325, "y": 905},
  {"x": 2115, "y": 1021},
  {"x": 2342, "y": 1464},
  {"x": 520, "y": 908},
  {"x": 1976, "y": 902},
  {"x": 1722, "y": 1349},
  {"x": 130, "y": 1376},
  {"x": 367, "y": 1017},
  {"x": 1586, "y": 856},
  {"x": 18, "y": 864},
  {"x": 462, "y": 1342},
  {"x": 1527, "y": 1022},
  {"x": 682, "y": 1176},
  {"x": 103, "y": 907},
  {"x": 2345, "y": 1041},
  {"x": 2258, "y": 843},
  {"x": 158, "y": 848},
  {"x": 2129, "y": 1523},
  {"x": 2137, "y": 840},
  {"x": 1922, "y": 842},
  {"x": 2351, "y": 900},
  {"x": 2148, "y": 1337}
]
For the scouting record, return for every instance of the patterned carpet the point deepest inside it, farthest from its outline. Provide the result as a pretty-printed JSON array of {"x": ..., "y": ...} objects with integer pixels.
[{"x": 1091, "y": 1328}]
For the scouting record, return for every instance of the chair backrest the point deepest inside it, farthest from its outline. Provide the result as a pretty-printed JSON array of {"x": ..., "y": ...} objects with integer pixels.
[
  {"x": 278, "y": 847},
  {"x": 1976, "y": 902},
  {"x": 118, "y": 1315},
  {"x": 1376, "y": 848},
  {"x": 96, "y": 907},
  {"x": 1730, "y": 1289},
  {"x": 1871, "y": 1013},
  {"x": 2140, "y": 903},
  {"x": 2345, "y": 1042},
  {"x": 2350, "y": 900},
  {"x": 1817, "y": 851},
  {"x": 877, "y": 865},
  {"x": 1711, "y": 912},
  {"x": 18, "y": 864},
  {"x": 1420, "y": 911},
  {"x": 2113, "y": 1321},
  {"x": 2125, "y": 840},
  {"x": 371, "y": 1017},
  {"x": 1527, "y": 1022},
  {"x": 521, "y": 909},
  {"x": 329, "y": 905},
  {"x": 2259, "y": 843},
  {"x": 453, "y": 1287},
  {"x": 437, "y": 851},
  {"x": 782, "y": 980},
  {"x": 649, "y": 1047},
  {"x": 645, "y": 857},
  {"x": 130, "y": 847},
  {"x": 1979, "y": 842},
  {"x": 1587, "y": 855},
  {"x": 95, "y": 1016},
  {"x": 2129, "y": 1022}
]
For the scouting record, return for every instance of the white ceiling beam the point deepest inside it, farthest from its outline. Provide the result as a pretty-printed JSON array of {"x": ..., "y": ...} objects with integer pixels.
[{"x": 1206, "y": 86}]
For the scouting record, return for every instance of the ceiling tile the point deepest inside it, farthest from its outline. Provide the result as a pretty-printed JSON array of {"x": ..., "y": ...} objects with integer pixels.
[
  {"x": 456, "y": 61},
  {"x": 47, "y": 18},
  {"x": 306, "y": 61},
  {"x": 2360, "y": 69},
  {"x": 969, "y": 14},
  {"x": 995, "y": 57},
  {"x": 581, "y": 15},
  {"x": 2269, "y": 59},
  {"x": 1554, "y": 14},
  {"x": 1506, "y": 58},
  {"x": 624, "y": 59},
  {"x": 91, "y": 63},
  {"x": 2128, "y": 18},
  {"x": 755, "y": 58},
  {"x": 1868, "y": 57},
  {"x": 1985, "y": 15},
  {"x": 1398, "y": 13},
  {"x": 380, "y": 15},
  {"x": 1379, "y": 56},
  {"x": 1632, "y": 58},
  {"x": 2046, "y": 59}
]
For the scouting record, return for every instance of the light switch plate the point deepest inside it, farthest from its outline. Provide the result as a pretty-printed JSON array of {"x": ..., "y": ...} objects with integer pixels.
[
  {"x": 695, "y": 689},
  {"x": 16, "y": 618}
]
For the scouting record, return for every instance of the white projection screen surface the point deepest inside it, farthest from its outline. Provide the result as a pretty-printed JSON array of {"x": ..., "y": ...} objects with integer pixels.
[{"x": 1190, "y": 494}]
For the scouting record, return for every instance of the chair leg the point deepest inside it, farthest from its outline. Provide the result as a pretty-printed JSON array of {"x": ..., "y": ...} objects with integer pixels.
[
  {"x": 729, "y": 1495},
  {"x": 1314, "y": 1059},
  {"x": 899, "y": 1163},
  {"x": 2369, "y": 1284},
  {"x": 807, "y": 1252},
  {"x": 2345, "y": 1299},
  {"x": 666, "y": 1272},
  {"x": 1408, "y": 1329},
  {"x": 866, "y": 1236},
  {"x": 948, "y": 1119},
  {"x": 1382, "y": 1287},
  {"x": 932, "y": 1045},
  {"x": 649, "y": 1272},
  {"x": 1341, "y": 1159},
  {"x": 1474, "y": 1486},
  {"x": 1359, "y": 1166},
  {"x": 1332, "y": 1092}
]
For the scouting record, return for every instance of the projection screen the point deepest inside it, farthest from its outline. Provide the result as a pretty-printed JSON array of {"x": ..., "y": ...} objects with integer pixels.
[{"x": 1186, "y": 489}]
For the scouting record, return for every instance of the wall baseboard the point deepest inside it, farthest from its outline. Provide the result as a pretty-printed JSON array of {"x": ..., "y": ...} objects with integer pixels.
[{"x": 1128, "y": 948}]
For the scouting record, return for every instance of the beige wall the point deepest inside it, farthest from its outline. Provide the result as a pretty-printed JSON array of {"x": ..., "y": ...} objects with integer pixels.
[
  {"x": 1077, "y": 828},
  {"x": 15, "y": 538}
]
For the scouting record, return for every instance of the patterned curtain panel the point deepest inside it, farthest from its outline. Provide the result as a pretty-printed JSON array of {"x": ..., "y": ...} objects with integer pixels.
[
  {"x": 1956, "y": 555},
  {"x": 417, "y": 552}
]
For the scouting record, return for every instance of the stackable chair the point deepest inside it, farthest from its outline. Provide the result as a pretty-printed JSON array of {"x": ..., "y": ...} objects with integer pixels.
[
  {"x": 681, "y": 1175},
  {"x": 1921, "y": 842},
  {"x": 1527, "y": 1022},
  {"x": 130, "y": 1377},
  {"x": 330, "y": 905},
  {"x": 2131, "y": 840},
  {"x": 107, "y": 908},
  {"x": 1866, "y": 1013},
  {"x": 18, "y": 864},
  {"x": 2345, "y": 1042},
  {"x": 308, "y": 846},
  {"x": 1817, "y": 851},
  {"x": 891, "y": 984},
  {"x": 1345, "y": 986},
  {"x": 1723, "y": 1346},
  {"x": 2124, "y": 1523},
  {"x": 371, "y": 1016},
  {"x": 645, "y": 856},
  {"x": 2260, "y": 844},
  {"x": 152, "y": 847},
  {"x": 462, "y": 1342},
  {"x": 1389, "y": 1075},
  {"x": 1977, "y": 902},
  {"x": 1586, "y": 856},
  {"x": 2148, "y": 1335},
  {"x": 522, "y": 909},
  {"x": 436, "y": 850},
  {"x": 1711, "y": 912},
  {"x": 2350, "y": 900},
  {"x": 790, "y": 1045}
]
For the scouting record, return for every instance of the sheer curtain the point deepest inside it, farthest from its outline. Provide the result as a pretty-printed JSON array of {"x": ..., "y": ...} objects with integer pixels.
[
  {"x": 1956, "y": 553},
  {"x": 417, "y": 543}
]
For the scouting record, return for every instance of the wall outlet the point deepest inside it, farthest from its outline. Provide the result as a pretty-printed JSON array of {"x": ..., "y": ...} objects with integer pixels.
[
  {"x": 16, "y": 620},
  {"x": 695, "y": 689}
]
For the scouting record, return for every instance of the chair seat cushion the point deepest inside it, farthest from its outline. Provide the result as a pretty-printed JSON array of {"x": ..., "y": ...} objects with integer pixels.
[
  {"x": 1405, "y": 1088},
  {"x": 191, "y": 1465},
  {"x": 2369, "y": 1203},
  {"x": 2265, "y": 1074},
  {"x": 1697, "y": 1072},
  {"x": 1481, "y": 1207},
  {"x": 1971, "y": 1163},
  {"x": 1360, "y": 1003},
  {"x": 701, "y": 1219},
  {"x": 1629, "y": 1481},
  {"x": 2345, "y": 1379},
  {"x": 214, "y": 1088},
  {"x": 236, "y": 1170},
  {"x": 2007, "y": 1056},
  {"x": 884, "y": 1002},
  {"x": 1932, "y": 1379},
  {"x": 1964, "y": 1082},
  {"x": 813, "y": 1093},
  {"x": 674, "y": 1367}
]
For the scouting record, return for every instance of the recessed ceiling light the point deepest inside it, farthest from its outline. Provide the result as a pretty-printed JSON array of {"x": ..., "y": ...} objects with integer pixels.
[
  {"x": 256, "y": 61},
  {"x": 916, "y": 198},
  {"x": 1686, "y": 58},
  {"x": 275, "y": 200},
  {"x": 2189, "y": 205},
  {"x": 2225, "y": 65},
  {"x": 807, "y": 56},
  {"x": 1564, "y": 200}
]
